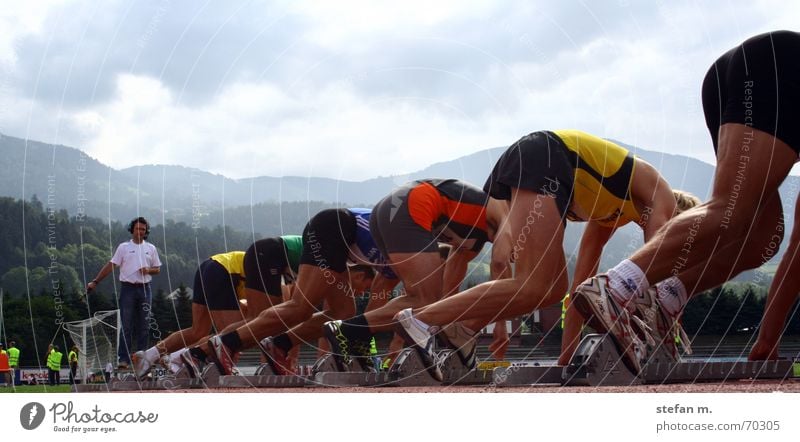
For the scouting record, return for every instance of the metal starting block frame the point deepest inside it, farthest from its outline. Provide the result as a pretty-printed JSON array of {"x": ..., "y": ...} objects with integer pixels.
[
  {"x": 406, "y": 371},
  {"x": 264, "y": 378},
  {"x": 597, "y": 362},
  {"x": 670, "y": 373},
  {"x": 455, "y": 373},
  {"x": 126, "y": 381},
  {"x": 520, "y": 376}
]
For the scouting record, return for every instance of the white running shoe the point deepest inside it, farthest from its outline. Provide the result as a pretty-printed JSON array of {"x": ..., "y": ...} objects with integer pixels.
[
  {"x": 463, "y": 341},
  {"x": 141, "y": 366},
  {"x": 594, "y": 301},
  {"x": 420, "y": 336},
  {"x": 667, "y": 331}
]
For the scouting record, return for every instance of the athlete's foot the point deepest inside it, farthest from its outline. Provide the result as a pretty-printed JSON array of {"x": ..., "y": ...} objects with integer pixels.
[
  {"x": 220, "y": 356},
  {"x": 141, "y": 366},
  {"x": 421, "y": 337},
  {"x": 276, "y": 357},
  {"x": 594, "y": 301}
]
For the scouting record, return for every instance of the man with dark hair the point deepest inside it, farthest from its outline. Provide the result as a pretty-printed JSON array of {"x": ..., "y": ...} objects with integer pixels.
[{"x": 137, "y": 260}]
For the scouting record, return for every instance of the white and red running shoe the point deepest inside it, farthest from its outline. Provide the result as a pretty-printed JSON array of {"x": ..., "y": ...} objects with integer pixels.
[{"x": 602, "y": 312}]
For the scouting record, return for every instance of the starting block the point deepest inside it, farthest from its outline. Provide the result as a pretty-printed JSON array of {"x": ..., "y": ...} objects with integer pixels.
[
  {"x": 406, "y": 371},
  {"x": 598, "y": 362},
  {"x": 264, "y": 378},
  {"x": 455, "y": 373},
  {"x": 667, "y": 373},
  {"x": 520, "y": 376},
  {"x": 325, "y": 374}
]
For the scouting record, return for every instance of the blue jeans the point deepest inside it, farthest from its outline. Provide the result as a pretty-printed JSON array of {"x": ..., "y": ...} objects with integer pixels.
[{"x": 134, "y": 311}]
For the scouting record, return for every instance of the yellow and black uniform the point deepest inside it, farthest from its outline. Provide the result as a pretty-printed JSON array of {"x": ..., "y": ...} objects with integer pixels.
[
  {"x": 269, "y": 260},
  {"x": 589, "y": 177},
  {"x": 417, "y": 216},
  {"x": 220, "y": 281}
]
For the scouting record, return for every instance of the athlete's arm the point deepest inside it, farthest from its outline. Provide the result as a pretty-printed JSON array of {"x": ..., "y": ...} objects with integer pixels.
[
  {"x": 652, "y": 192},
  {"x": 594, "y": 239}
]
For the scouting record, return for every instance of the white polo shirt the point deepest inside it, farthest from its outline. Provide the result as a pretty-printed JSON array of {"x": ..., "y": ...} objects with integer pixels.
[{"x": 131, "y": 257}]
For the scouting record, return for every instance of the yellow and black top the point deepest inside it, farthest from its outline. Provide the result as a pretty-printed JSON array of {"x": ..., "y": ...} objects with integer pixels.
[
  {"x": 589, "y": 177},
  {"x": 234, "y": 265},
  {"x": 603, "y": 176}
]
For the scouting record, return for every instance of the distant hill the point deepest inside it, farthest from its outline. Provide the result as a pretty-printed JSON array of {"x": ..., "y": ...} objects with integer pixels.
[{"x": 65, "y": 178}]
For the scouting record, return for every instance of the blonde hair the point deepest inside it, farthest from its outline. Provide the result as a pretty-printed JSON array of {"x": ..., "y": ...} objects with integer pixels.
[{"x": 684, "y": 201}]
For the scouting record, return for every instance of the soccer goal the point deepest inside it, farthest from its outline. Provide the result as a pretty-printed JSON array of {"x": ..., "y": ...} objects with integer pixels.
[{"x": 97, "y": 339}]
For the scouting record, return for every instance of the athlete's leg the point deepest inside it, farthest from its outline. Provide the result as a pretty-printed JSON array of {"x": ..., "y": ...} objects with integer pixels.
[
  {"x": 313, "y": 285},
  {"x": 761, "y": 244},
  {"x": 743, "y": 183},
  {"x": 201, "y": 325},
  {"x": 540, "y": 278},
  {"x": 422, "y": 275},
  {"x": 338, "y": 305}
]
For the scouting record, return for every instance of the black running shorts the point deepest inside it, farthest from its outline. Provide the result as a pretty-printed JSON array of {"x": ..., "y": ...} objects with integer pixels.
[
  {"x": 757, "y": 84},
  {"x": 214, "y": 287},
  {"x": 394, "y": 230},
  {"x": 327, "y": 238},
  {"x": 538, "y": 162},
  {"x": 264, "y": 265}
]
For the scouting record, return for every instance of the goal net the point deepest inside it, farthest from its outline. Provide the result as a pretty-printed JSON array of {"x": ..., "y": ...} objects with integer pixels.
[{"x": 97, "y": 339}]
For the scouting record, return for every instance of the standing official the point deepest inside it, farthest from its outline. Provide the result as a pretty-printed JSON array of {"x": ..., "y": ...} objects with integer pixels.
[{"x": 137, "y": 260}]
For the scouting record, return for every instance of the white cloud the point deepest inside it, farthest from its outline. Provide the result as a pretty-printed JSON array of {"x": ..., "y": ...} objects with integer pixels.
[{"x": 360, "y": 89}]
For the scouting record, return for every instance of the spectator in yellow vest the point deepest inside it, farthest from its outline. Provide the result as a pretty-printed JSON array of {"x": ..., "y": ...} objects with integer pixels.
[
  {"x": 54, "y": 366},
  {"x": 13, "y": 360},
  {"x": 72, "y": 358}
]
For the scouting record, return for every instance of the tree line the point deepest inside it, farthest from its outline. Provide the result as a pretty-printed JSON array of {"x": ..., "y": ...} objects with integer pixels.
[{"x": 47, "y": 256}]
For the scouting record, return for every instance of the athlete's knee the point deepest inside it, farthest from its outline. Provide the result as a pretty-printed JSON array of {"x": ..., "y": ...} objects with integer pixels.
[{"x": 729, "y": 213}]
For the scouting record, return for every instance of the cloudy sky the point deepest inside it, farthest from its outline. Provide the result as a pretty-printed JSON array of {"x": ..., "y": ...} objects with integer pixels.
[{"x": 354, "y": 90}]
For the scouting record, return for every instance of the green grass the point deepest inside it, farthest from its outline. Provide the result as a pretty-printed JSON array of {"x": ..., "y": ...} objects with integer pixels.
[{"x": 37, "y": 389}]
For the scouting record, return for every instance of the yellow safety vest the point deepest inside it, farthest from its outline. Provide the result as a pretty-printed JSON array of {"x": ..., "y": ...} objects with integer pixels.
[
  {"x": 13, "y": 357},
  {"x": 73, "y": 357},
  {"x": 54, "y": 360}
]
